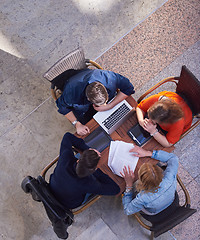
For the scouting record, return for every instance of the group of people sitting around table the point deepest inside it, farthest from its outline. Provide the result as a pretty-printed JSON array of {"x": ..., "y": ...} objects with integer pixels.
[{"x": 164, "y": 115}]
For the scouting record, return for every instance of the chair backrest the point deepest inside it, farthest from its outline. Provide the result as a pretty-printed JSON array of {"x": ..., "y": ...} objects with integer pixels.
[
  {"x": 74, "y": 60},
  {"x": 178, "y": 216},
  {"x": 60, "y": 217},
  {"x": 189, "y": 88},
  {"x": 170, "y": 217}
]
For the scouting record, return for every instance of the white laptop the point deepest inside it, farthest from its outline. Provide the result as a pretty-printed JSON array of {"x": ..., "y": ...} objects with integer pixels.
[{"x": 111, "y": 119}]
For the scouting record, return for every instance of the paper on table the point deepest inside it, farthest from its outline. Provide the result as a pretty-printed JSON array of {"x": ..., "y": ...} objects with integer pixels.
[{"x": 119, "y": 156}]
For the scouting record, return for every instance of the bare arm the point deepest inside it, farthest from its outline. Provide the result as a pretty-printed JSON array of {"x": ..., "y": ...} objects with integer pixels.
[
  {"x": 140, "y": 116},
  {"x": 80, "y": 128},
  {"x": 140, "y": 152},
  {"x": 119, "y": 97},
  {"x": 162, "y": 140},
  {"x": 150, "y": 127}
]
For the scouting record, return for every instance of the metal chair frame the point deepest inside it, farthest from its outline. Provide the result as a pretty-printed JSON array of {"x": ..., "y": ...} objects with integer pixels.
[
  {"x": 80, "y": 208},
  {"x": 195, "y": 124},
  {"x": 186, "y": 205},
  {"x": 175, "y": 81}
]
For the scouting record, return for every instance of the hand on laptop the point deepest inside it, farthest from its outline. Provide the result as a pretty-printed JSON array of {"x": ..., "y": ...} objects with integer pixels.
[{"x": 140, "y": 152}]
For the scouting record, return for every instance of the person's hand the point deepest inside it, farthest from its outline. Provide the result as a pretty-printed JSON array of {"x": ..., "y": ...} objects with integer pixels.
[
  {"x": 140, "y": 152},
  {"x": 82, "y": 129},
  {"x": 142, "y": 122},
  {"x": 102, "y": 107},
  {"x": 128, "y": 176},
  {"x": 149, "y": 126}
]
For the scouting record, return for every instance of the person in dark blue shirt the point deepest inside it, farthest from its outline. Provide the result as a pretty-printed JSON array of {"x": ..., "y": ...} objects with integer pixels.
[
  {"x": 73, "y": 180},
  {"x": 89, "y": 91}
]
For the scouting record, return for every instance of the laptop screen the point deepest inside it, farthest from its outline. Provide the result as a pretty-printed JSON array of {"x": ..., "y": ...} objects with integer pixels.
[
  {"x": 98, "y": 139},
  {"x": 111, "y": 119}
]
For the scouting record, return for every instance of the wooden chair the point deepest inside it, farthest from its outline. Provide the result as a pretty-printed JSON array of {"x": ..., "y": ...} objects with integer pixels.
[
  {"x": 77, "y": 210},
  {"x": 179, "y": 215},
  {"x": 66, "y": 67},
  {"x": 60, "y": 217},
  {"x": 188, "y": 87}
]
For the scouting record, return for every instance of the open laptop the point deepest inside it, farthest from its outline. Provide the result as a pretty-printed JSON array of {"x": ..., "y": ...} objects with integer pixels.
[{"x": 111, "y": 119}]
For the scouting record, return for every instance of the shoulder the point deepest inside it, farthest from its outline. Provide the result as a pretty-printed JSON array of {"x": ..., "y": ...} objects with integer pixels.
[{"x": 149, "y": 101}]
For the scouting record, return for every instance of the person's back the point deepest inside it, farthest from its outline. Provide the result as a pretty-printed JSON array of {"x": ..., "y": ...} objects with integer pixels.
[
  {"x": 67, "y": 186},
  {"x": 169, "y": 111},
  {"x": 160, "y": 200},
  {"x": 79, "y": 107},
  {"x": 156, "y": 190}
]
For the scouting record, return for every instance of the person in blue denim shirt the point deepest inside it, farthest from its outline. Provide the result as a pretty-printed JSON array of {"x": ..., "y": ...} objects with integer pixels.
[
  {"x": 155, "y": 188},
  {"x": 77, "y": 102}
]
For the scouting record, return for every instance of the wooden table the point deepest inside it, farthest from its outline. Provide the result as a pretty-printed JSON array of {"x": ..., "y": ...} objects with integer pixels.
[{"x": 121, "y": 134}]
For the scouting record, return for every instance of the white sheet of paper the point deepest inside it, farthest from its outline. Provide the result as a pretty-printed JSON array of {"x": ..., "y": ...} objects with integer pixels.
[{"x": 119, "y": 156}]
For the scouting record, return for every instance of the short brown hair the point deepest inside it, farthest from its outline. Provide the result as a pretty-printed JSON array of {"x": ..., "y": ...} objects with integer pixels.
[
  {"x": 150, "y": 177},
  {"x": 96, "y": 93},
  {"x": 165, "y": 111},
  {"x": 87, "y": 163}
]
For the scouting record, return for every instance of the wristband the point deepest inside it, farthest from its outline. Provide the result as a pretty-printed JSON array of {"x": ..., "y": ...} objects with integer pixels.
[
  {"x": 152, "y": 134},
  {"x": 74, "y": 122},
  {"x": 128, "y": 189}
]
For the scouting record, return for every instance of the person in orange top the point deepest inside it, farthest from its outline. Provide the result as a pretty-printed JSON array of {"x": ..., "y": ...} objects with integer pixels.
[{"x": 169, "y": 111}]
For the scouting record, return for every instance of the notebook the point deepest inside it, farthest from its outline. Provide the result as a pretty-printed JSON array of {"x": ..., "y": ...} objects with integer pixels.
[
  {"x": 111, "y": 119},
  {"x": 139, "y": 135},
  {"x": 119, "y": 156}
]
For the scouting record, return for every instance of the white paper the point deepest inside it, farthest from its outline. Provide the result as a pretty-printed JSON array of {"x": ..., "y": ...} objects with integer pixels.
[{"x": 119, "y": 156}]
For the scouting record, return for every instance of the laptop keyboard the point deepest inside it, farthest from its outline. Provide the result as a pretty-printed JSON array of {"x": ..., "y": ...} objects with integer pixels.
[{"x": 116, "y": 116}]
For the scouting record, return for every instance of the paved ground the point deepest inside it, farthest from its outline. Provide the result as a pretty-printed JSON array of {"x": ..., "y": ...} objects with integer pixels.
[{"x": 143, "y": 40}]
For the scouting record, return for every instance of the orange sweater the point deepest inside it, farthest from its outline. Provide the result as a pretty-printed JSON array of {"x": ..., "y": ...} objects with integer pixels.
[{"x": 176, "y": 129}]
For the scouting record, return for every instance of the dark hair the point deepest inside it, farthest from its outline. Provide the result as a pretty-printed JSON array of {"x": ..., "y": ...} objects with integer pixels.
[
  {"x": 96, "y": 93},
  {"x": 165, "y": 111},
  {"x": 150, "y": 177},
  {"x": 87, "y": 163}
]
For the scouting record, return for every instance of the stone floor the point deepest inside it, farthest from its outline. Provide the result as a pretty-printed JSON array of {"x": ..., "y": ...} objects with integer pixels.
[{"x": 143, "y": 40}]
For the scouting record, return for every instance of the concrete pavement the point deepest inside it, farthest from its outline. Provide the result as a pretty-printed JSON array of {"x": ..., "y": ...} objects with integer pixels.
[{"x": 34, "y": 35}]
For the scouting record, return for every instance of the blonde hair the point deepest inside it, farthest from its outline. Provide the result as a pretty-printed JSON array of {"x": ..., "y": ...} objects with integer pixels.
[
  {"x": 165, "y": 111},
  {"x": 150, "y": 177},
  {"x": 96, "y": 93}
]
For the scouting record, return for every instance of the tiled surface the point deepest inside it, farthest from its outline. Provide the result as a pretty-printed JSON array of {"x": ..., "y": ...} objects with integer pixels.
[
  {"x": 42, "y": 32},
  {"x": 156, "y": 42},
  {"x": 36, "y": 34},
  {"x": 21, "y": 93},
  {"x": 103, "y": 230},
  {"x": 41, "y": 123},
  {"x": 189, "y": 229}
]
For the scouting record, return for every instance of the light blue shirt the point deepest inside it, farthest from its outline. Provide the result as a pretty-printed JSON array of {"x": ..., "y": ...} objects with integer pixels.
[{"x": 153, "y": 203}]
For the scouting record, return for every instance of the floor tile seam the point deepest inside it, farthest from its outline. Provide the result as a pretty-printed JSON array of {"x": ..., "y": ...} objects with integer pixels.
[
  {"x": 110, "y": 228},
  {"x": 56, "y": 155},
  {"x": 185, "y": 170},
  {"x": 137, "y": 24},
  {"x": 181, "y": 54},
  {"x": 196, "y": 178},
  {"x": 172, "y": 235},
  {"x": 20, "y": 121}
]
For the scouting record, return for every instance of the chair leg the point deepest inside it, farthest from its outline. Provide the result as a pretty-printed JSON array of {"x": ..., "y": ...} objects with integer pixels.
[{"x": 152, "y": 235}]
